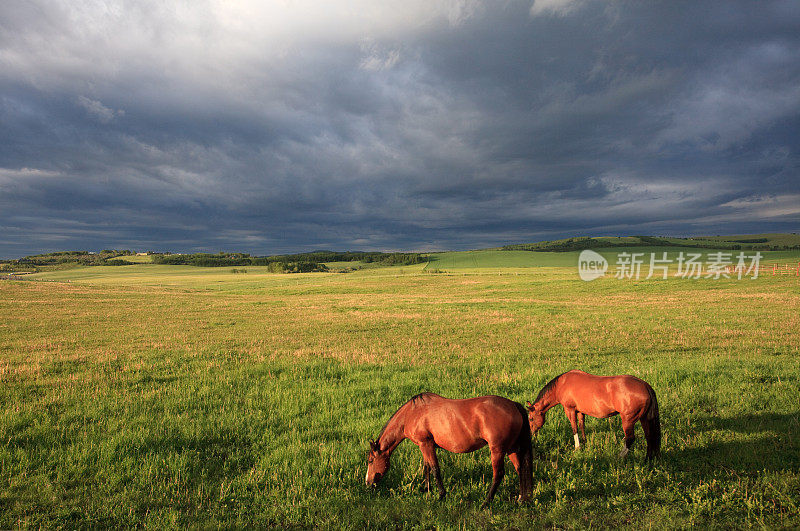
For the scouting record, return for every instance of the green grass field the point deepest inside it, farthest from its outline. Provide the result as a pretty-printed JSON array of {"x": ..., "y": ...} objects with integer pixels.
[
  {"x": 495, "y": 259},
  {"x": 138, "y": 259},
  {"x": 173, "y": 396}
]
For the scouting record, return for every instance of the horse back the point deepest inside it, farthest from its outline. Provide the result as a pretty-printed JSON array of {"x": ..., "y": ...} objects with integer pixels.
[
  {"x": 603, "y": 396},
  {"x": 464, "y": 425}
]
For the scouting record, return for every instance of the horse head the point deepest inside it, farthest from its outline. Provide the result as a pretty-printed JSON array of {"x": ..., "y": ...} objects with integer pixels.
[
  {"x": 377, "y": 464},
  {"x": 535, "y": 417}
]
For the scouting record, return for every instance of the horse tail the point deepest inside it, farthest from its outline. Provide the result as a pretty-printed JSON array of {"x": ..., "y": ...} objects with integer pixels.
[
  {"x": 651, "y": 423},
  {"x": 525, "y": 452}
]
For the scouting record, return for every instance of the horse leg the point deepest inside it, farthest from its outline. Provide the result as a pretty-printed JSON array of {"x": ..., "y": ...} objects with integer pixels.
[
  {"x": 580, "y": 423},
  {"x": 498, "y": 471},
  {"x": 523, "y": 465},
  {"x": 514, "y": 458},
  {"x": 432, "y": 462},
  {"x": 572, "y": 416},
  {"x": 652, "y": 434},
  {"x": 630, "y": 435},
  {"x": 426, "y": 476}
]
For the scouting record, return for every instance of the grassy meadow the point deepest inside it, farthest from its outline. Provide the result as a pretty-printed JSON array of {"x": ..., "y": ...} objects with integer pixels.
[{"x": 175, "y": 396}]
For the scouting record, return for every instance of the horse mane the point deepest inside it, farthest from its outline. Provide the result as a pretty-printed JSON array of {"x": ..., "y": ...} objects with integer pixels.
[
  {"x": 422, "y": 397},
  {"x": 413, "y": 401},
  {"x": 549, "y": 385}
]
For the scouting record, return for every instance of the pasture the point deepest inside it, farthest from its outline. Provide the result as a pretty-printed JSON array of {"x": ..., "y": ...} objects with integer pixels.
[{"x": 173, "y": 396}]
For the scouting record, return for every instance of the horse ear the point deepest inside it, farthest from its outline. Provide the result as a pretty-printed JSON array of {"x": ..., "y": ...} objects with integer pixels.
[
  {"x": 530, "y": 406},
  {"x": 374, "y": 445}
]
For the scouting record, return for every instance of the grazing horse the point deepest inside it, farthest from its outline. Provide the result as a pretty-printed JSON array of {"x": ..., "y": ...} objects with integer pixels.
[
  {"x": 601, "y": 396},
  {"x": 431, "y": 421}
]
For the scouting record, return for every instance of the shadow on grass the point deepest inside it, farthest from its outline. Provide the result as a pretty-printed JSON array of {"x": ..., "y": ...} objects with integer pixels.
[
  {"x": 218, "y": 455},
  {"x": 464, "y": 483},
  {"x": 759, "y": 422},
  {"x": 742, "y": 444},
  {"x": 747, "y": 447},
  {"x": 765, "y": 453}
]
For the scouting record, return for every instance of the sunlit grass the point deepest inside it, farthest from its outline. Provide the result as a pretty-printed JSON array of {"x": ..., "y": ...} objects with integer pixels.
[{"x": 171, "y": 396}]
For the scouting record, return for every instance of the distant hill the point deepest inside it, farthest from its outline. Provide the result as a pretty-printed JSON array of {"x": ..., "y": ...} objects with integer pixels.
[
  {"x": 754, "y": 242},
  {"x": 313, "y": 261},
  {"x": 791, "y": 240},
  {"x": 58, "y": 260}
]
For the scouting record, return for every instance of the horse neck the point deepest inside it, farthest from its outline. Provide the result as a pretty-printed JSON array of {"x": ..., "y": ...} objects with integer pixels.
[
  {"x": 550, "y": 398},
  {"x": 393, "y": 433}
]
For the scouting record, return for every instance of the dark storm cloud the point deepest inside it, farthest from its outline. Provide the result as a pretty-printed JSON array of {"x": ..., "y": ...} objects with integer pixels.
[{"x": 417, "y": 125}]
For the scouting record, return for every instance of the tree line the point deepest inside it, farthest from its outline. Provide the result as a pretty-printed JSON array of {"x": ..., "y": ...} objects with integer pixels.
[
  {"x": 299, "y": 262},
  {"x": 85, "y": 258},
  {"x": 585, "y": 242}
]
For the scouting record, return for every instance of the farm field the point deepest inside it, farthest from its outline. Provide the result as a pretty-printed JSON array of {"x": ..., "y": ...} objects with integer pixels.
[
  {"x": 174, "y": 396},
  {"x": 492, "y": 259},
  {"x": 139, "y": 259}
]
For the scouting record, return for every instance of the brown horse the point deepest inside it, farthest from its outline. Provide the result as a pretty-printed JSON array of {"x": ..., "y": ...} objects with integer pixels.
[
  {"x": 431, "y": 421},
  {"x": 601, "y": 396}
]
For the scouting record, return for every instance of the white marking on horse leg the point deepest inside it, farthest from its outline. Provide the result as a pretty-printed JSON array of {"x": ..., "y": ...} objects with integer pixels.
[
  {"x": 577, "y": 442},
  {"x": 624, "y": 451}
]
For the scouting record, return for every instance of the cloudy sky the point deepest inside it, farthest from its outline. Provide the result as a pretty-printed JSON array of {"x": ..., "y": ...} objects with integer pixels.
[{"x": 294, "y": 125}]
